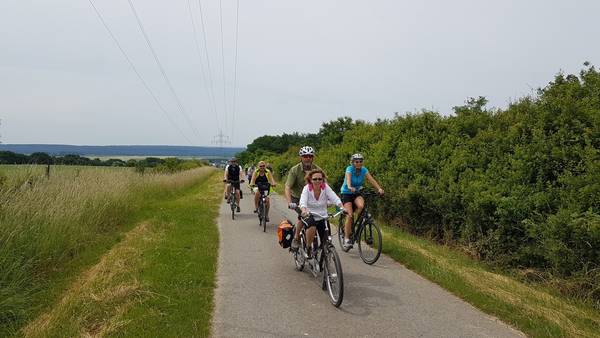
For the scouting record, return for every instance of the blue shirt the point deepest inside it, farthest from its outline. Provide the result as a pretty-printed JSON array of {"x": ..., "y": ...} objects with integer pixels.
[{"x": 357, "y": 180}]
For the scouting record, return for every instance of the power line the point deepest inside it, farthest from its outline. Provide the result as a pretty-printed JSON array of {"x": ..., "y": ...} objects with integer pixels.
[
  {"x": 210, "y": 78},
  {"x": 223, "y": 57},
  {"x": 237, "y": 16},
  {"x": 144, "y": 83},
  {"x": 208, "y": 86},
  {"x": 162, "y": 70}
]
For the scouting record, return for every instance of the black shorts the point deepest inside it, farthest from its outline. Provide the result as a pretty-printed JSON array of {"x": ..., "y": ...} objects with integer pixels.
[
  {"x": 349, "y": 198},
  {"x": 235, "y": 184},
  {"x": 311, "y": 222}
]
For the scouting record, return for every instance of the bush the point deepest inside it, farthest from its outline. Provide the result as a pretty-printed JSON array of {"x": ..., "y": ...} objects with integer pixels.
[{"x": 519, "y": 187}]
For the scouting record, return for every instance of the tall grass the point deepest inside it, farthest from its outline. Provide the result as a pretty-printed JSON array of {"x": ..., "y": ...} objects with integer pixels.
[{"x": 45, "y": 224}]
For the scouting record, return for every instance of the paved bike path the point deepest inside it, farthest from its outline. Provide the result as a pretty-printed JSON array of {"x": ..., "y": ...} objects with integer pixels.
[{"x": 260, "y": 294}]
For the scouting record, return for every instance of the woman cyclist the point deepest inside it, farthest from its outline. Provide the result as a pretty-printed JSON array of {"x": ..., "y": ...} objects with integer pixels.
[
  {"x": 260, "y": 178},
  {"x": 354, "y": 178},
  {"x": 315, "y": 197}
]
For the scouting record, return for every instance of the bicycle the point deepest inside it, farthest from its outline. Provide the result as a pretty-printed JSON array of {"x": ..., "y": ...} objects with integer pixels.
[
  {"x": 263, "y": 189},
  {"x": 231, "y": 196},
  {"x": 365, "y": 232},
  {"x": 325, "y": 259}
]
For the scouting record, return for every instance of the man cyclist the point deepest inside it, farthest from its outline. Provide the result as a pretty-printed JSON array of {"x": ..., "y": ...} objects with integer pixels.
[
  {"x": 235, "y": 174},
  {"x": 295, "y": 183},
  {"x": 260, "y": 178},
  {"x": 354, "y": 178}
]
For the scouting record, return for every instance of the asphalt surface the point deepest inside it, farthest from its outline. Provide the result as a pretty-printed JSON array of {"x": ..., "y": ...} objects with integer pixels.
[{"x": 260, "y": 294}]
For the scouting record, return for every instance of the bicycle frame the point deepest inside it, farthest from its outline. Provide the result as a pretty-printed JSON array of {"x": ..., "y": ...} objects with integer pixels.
[
  {"x": 362, "y": 217},
  {"x": 324, "y": 247},
  {"x": 231, "y": 191}
]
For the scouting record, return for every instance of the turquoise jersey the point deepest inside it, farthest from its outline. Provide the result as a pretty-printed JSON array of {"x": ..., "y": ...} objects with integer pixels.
[{"x": 357, "y": 179}]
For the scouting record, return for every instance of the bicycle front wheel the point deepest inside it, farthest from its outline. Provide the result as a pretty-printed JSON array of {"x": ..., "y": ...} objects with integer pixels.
[
  {"x": 369, "y": 243},
  {"x": 264, "y": 217},
  {"x": 341, "y": 224},
  {"x": 334, "y": 278}
]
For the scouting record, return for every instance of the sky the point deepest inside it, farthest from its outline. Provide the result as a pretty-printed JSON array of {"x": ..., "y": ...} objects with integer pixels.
[{"x": 64, "y": 80}]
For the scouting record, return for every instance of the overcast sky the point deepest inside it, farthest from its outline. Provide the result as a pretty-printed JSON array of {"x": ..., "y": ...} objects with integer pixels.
[{"x": 300, "y": 63}]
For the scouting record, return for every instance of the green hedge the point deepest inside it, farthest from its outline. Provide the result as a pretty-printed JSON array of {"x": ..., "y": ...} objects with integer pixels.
[{"x": 518, "y": 187}]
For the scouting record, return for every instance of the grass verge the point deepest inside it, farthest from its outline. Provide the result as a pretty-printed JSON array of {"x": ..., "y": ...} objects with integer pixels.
[
  {"x": 534, "y": 310},
  {"x": 158, "y": 281}
]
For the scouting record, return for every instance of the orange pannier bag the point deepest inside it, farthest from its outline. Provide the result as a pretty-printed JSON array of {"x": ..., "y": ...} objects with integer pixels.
[{"x": 285, "y": 233}]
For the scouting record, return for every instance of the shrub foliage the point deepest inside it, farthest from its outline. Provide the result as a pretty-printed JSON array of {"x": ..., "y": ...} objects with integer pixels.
[{"x": 519, "y": 187}]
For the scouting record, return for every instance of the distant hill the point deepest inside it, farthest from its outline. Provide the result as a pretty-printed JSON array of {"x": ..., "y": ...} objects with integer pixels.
[{"x": 119, "y": 150}]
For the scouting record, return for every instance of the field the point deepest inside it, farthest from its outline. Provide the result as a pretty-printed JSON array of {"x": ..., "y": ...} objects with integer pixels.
[{"x": 53, "y": 230}]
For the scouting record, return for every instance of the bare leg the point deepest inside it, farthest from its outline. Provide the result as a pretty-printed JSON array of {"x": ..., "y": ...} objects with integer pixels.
[
  {"x": 349, "y": 219},
  {"x": 310, "y": 236},
  {"x": 299, "y": 226},
  {"x": 360, "y": 204}
]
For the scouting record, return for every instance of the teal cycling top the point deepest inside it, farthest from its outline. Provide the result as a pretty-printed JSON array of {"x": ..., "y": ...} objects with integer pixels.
[{"x": 357, "y": 180}]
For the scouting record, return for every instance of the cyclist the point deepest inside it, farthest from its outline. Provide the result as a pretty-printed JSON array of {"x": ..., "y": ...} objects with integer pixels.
[
  {"x": 354, "y": 178},
  {"x": 295, "y": 183},
  {"x": 250, "y": 171},
  {"x": 260, "y": 178},
  {"x": 234, "y": 173},
  {"x": 316, "y": 196}
]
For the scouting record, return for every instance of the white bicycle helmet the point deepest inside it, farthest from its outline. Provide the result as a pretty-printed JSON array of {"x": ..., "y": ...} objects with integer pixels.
[
  {"x": 306, "y": 150},
  {"x": 357, "y": 156}
]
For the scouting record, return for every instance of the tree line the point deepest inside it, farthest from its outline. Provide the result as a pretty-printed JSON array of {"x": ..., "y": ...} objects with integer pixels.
[
  {"x": 517, "y": 187},
  {"x": 170, "y": 164}
]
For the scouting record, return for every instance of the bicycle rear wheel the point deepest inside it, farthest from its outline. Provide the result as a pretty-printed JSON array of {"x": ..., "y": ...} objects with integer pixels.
[
  {"x": 369, "y": 243},
  {"x": 299, "y": 259},
  {"x": 334, "y": 278}
]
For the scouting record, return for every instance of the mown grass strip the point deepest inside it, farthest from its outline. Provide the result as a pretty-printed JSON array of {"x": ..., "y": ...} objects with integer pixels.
[
  {"x": 157, "y": 282},
  {"x": 532, "y": 309},
  {"x": 181, "y": 269}
]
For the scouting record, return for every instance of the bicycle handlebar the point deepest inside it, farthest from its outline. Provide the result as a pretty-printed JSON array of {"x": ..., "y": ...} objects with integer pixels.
[
  {"x": 329, "y": 215},
  {"x": 233, "y": 181}
]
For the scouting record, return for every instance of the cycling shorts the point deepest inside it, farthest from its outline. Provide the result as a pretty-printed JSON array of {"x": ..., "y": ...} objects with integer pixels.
[
  {"x": 349, "y": 198},
  {"x": 235, "y": 184}
]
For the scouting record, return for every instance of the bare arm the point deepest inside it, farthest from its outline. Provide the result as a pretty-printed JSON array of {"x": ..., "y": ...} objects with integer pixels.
[
  {"x": 349, "y": 182},
  {"x": 374, "y": 183},
  {"x": 288, "y": 194},
  {"x": 253, "y": 180},
  {"x": 242, "y": 178}
]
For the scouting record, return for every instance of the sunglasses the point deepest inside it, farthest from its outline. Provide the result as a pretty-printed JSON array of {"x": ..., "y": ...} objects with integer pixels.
[
  {"x": 317, "y": 178},
  {"x": 307, "y": 156},
  {"x": 261, "y": 166},
  {"x": 358, "y": 161}
]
